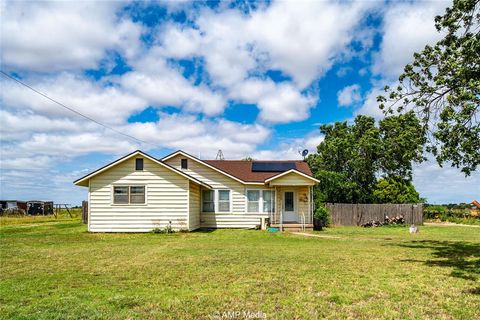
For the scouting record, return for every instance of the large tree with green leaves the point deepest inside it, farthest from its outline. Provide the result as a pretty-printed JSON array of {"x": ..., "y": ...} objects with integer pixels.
[
  {"x": 351, "y": 157},
  {"x": 395, "y": 190},
  {"x": 442, "y": 86}
]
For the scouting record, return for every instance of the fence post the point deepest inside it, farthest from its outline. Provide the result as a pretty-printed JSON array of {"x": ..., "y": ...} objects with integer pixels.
[{"x": 84, "y": 212}]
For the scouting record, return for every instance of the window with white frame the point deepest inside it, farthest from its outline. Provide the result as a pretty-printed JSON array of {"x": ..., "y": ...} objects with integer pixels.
[
  {"x": 261, "y": 201},
  {"x": 253, "y": 200},
  {"x": 208, "y": 201},
  {"x": 268, "y": 197},
  {"x": 129, "y": 195},
  {"x": 223, "y": 200}
]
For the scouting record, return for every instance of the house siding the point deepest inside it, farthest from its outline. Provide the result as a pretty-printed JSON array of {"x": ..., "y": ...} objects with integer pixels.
[
  {"x": 194, "y": 207},
  {"x": 302, "y": 203},
  {"x": 166, "y": 199},
  {"x": 237, "y": 218},
  {"x": 292, "y": 179}
]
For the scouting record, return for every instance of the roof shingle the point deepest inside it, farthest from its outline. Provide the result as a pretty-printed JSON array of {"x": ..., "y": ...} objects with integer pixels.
[{"x": 242, "y": 169}]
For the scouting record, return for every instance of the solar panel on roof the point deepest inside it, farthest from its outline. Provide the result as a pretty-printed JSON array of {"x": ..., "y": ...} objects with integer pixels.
[{"x": 272, "y": 166}]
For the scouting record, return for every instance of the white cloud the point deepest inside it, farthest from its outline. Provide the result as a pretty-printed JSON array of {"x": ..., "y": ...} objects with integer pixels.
[
  {"x": 370, "y": 104},
  {"x": 99, "y": 100},
  {"x": 161, "y": 85},
  {"x": 406, "y": 29},
  {"x": 349, "y": 95},
  {"x": 20, "y": 125},
  {"x": 278, "y": 102},
  {"x": 290, "y": 149},
  {"x": 203, "y": 136},
  {"x": 284, "y": 36},
  {"x": 445, "y": 185},
  {"x": 55, "y": 36},
  {"x": 305, "y": 38}
]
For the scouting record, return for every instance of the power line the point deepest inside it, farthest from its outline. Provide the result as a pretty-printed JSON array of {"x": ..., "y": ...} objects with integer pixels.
[{"x": 73, "y": 110}]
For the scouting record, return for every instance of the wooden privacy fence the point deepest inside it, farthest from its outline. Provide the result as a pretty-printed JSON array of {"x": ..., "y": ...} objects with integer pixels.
[
  {"x": 85, "y": 212},
  {"x": 352, "y": 214}
]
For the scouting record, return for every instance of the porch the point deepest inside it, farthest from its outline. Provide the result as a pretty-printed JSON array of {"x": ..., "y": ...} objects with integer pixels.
[{"x": 293, "y": 202}]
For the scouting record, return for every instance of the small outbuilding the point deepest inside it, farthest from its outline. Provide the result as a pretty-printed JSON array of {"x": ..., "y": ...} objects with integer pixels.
[{"x": 37, "y": 207}]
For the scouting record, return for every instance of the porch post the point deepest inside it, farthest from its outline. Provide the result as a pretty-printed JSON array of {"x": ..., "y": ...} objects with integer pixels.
[
  {"x": 281, "y": 213},
  {"x": 311, "y": 204}
]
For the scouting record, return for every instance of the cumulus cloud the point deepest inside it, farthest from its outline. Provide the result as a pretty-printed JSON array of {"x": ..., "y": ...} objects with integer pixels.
[
  {"x": 161, "y": 85},
  {"x": 56, "y": 36},
  {"x": 278, "y": 102},
  {"x": 445, "y": 185},
  {"x": 407, "y": 28},
  {"x": 201, "y": 136},
  {"x": 305, "y": 38},
  {"x": 102, "y": 101},
  {"x": 370, "y": 104},
  {"x": 291, "y": 148},
  {"x": 282, "y": 36},
  {"x": 349, "y": 95}
]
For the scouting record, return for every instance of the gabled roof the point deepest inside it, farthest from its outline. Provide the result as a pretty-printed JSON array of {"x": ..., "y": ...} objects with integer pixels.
[
  {"x": 241, "y": 170},
  {"x": 292, "y": 171},
  {"x": 82, "y": 180},
  {"x": 476, "y": 203},
  {"x": 186, "y": 155}
]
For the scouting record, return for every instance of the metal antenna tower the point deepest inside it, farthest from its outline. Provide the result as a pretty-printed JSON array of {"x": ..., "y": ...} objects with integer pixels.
[{"x": 220, "y": 155}]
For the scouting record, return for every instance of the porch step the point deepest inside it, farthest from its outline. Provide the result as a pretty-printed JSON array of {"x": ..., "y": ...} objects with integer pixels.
[{"x": 294, "y": 227}]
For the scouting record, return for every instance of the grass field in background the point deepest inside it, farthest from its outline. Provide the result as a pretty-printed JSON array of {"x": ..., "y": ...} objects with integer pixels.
[{"x": 53, "y": 269}]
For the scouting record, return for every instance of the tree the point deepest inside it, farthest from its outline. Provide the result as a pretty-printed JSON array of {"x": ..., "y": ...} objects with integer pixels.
[
  {"x": 395, "y": 190},
  {"x": 442, "y": 86},
  {"x": 351, "y": 157},
  {"x": 402, "y": 144},
  {"x": 346, "y": 160}
]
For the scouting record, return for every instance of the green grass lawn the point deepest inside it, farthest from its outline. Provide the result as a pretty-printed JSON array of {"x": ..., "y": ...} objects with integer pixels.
[{"x": 54, "y": 269}]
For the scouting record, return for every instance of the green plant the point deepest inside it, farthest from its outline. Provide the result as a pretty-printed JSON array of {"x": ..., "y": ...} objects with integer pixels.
[
  {"x": 322, "y": 215},
  {"x": 157, "y": 230}
]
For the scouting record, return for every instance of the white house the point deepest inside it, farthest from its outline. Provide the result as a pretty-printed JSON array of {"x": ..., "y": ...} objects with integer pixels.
[{"x": 138, "y": 193}]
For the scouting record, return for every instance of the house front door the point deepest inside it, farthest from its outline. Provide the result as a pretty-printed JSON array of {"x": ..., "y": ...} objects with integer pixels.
[{"x": 289, "y": 210}]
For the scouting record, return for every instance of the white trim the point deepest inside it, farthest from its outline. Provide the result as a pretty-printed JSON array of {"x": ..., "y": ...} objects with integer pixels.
[
  {"x": 260, "y": 200},
  {"x": 295, "y": 206},
  {"x": 188, "y": 205},
  {"x": 216, "y": 198},
  {"x": 128, "y": 185},
  {"x": 201, "y": 201},
  {"x": 136, "y": 153},
  {"x": 291, "y": 171},
  {"x": 207, "y": 165},
  {"x": 89, "y": 206}
]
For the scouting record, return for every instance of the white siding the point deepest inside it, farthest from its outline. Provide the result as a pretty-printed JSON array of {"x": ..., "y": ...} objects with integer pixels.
[
  {"x": 238, "y": 218},
  {"x": 302, "y": 203},
  {"x": 166, "y": 199},
  {"x": 194, "y": 207},
  {"x": 292, "y": 179}
]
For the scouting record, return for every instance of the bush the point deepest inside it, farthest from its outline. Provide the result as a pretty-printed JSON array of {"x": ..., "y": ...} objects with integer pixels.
[{"x": 322, "y": 216}]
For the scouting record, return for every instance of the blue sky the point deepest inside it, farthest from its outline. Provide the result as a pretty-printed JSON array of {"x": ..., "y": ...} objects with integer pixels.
[{"x": 253, "y": 79}]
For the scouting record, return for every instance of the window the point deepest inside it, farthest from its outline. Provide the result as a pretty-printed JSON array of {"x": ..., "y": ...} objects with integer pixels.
[
  {"x": 253, "y": 200},
  {"x": 223, "y": 200},
  {"x": 137, "y": 194},
  {"x": 261, "y": 201},
  {"x": 268, "y": 201},
  {"x": 129, "y": 195},
  {"x": 120, "y": 195},
  {"x": 208, "y": 201},
  {"x": 139, "y": 164},
  {"x": 289, "y": 200},
  {"x": 184, "y": 163}
]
